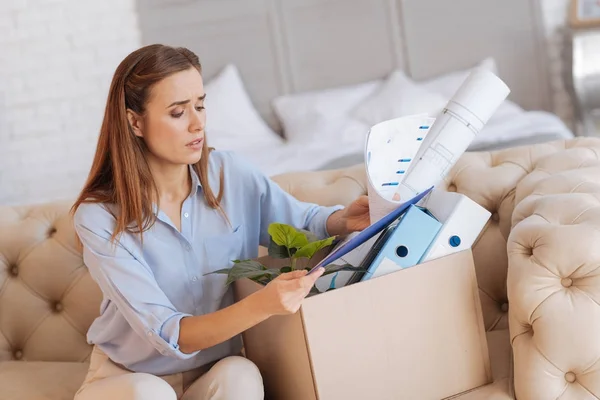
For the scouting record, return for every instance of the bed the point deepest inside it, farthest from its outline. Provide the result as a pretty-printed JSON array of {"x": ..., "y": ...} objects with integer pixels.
[{"x": 294, "y": 85}]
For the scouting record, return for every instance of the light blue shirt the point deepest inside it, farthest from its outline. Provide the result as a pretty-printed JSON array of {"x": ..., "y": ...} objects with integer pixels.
[{"x": 148, "y": 288}]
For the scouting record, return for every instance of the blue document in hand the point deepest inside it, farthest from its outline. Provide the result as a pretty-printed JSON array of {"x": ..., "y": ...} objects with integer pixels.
[{"x": 369, "y": 232}]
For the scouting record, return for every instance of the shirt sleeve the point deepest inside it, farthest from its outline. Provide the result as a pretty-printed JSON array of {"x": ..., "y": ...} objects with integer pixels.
[
  {"x": 128, "y": 282},
  {"x": 277, "y": 205}
]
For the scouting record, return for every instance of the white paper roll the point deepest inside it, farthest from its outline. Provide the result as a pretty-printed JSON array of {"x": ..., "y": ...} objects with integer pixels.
[{"x": 467, "y": 112}]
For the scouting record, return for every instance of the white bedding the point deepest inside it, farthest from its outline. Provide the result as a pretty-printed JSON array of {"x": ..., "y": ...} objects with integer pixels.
[
  {"x": 327, "y": 128},
  {"x": 324, "y": 149}
]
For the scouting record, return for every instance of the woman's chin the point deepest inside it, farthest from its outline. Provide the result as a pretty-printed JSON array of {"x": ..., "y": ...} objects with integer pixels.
[{"x": 193, "y": 158}]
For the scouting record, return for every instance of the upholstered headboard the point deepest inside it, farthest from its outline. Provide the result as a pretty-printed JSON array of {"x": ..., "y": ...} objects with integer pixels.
[{"x": 288, "y": 46}]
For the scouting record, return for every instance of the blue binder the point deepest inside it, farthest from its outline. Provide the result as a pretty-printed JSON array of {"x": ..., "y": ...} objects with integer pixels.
[{"x": 407, "y": 244}]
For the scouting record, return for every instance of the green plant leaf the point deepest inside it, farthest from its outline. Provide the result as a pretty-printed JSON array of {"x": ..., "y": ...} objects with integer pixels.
[
  {"x": 261, "y": 280},
  {"x": 332, "y": 268},
  {"x": 219, "y": 271},
  {"x": 310, "y": 249},
  {"x": 286, "y": 235},
  {"x": 246, "y": 269},
  {"x": 267, "y": 277},
  {"x": 283, "y": 270},
  {"x": 277, "y": 251}
]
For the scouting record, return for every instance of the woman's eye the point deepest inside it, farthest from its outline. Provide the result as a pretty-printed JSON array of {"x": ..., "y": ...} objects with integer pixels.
[
  {"x": 200, "y": 108},
  {"x": 177, "y": 115}
]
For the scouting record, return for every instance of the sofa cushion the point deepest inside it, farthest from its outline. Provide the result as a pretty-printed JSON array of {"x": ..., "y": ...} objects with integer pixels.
[{"x": 41, "y": 380}]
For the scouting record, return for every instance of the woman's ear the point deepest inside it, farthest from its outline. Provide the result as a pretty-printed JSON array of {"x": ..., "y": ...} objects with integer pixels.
[{"x": 136, "y": 123}]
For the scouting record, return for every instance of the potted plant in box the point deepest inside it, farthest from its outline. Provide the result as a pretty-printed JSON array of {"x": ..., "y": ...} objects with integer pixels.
[{"x": 288, "y": 243}]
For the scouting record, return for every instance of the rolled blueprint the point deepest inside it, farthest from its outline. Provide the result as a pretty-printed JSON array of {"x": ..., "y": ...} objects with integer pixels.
[{"x": 454, "y": 129}]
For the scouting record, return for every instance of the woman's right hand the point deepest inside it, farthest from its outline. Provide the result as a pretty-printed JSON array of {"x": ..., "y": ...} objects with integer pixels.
[{"x": 284, "y": 294}]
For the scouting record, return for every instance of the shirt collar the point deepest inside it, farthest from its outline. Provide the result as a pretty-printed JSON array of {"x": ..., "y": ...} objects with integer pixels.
[
  {"x": 195, "y": 180},
  {"x": 194, "y": 190}
]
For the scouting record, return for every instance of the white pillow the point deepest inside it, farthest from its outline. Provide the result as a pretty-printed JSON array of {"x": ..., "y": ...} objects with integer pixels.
[
  {"x": 448, "y": 84},
  {"x": 232, "y": 122},
  {"x": 319, "y": 114},
  {"x": 398, "y": 96}
]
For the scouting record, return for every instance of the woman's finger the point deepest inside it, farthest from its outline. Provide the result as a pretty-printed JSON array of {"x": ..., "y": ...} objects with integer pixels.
[
  {"x": 309, "y": 280},
  {"x": 293, "y": 275}
]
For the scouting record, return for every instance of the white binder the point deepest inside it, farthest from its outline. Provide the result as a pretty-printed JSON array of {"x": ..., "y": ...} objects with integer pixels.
[{"x": 462, "y": 218}]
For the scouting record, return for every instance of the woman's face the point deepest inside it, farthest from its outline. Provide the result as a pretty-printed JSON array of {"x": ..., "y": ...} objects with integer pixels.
[{"x": 173, "y": 125}]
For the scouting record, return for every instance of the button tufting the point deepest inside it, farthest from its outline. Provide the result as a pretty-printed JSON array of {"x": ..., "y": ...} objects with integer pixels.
[
  {"x": 495, "y": 217},
  {"x": 452, "y": 187},
  {"x": 51, "y": 231},
  {"x": 570, "y": 377},
  {"x": 14, "y": 270},
  {"x": 566, "y": 282},
  {"x": 18, "y": 354},
  {"x": 58, "y": 307},
  {"x": 504, "y": 307}
]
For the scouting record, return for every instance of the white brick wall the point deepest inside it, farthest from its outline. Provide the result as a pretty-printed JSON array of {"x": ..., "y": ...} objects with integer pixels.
[{"x": 56, "y": 63}]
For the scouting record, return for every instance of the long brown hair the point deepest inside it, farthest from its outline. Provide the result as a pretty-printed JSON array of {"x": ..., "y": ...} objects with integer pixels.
[{"x": 120, "y": 174}]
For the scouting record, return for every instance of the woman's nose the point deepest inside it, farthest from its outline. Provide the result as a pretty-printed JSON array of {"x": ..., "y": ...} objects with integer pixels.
[{"x": 197, "y": 122}]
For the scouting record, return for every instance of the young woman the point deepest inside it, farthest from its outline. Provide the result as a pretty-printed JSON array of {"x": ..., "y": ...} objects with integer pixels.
[{"x": 158, "y": 212}]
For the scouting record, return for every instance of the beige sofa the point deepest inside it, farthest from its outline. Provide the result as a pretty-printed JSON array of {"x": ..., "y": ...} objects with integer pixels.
[{"x": 540, "y": 252}]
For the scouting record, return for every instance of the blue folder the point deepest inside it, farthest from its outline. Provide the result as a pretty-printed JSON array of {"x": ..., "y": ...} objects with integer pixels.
[
  {"x": 370, "y": 231},
  {"x": 407, "y": 244}
]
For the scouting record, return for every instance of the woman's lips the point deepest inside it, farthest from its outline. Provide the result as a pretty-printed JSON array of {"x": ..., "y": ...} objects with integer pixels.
[{"x": 196, "y": 144}]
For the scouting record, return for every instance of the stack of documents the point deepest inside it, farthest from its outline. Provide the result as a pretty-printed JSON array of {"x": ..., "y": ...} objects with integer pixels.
[
  {"x": 442, "y": 224},
  {"x": 405, "y": 158}
]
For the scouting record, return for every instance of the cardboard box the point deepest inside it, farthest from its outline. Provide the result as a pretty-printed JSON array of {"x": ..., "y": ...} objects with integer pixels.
[{"x": 413, "y": 334}]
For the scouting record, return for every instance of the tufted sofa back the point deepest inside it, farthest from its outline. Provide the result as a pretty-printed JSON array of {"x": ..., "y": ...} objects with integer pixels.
[
  {"x": 511, "y": 184},
  {"x": 47, "y": 297}
]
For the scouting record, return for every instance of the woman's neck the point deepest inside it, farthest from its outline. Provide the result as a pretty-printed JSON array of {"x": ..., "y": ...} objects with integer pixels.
[{"x": 172, "y": 181}]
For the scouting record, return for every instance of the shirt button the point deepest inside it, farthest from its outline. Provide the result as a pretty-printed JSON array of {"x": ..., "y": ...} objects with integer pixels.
[
  {"x": 188, "y": 247},
  {"x": 186, "y": 215},
  {"x": 195, "y": 278}
]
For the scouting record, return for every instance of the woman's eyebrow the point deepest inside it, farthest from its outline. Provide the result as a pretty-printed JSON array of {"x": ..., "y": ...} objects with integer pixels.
[{"x": 182, "y": 102}]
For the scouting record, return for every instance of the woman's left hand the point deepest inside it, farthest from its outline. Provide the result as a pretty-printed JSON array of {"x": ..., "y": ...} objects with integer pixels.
[
  {"x": 353, "y": 218},
  {"x": 357, "y": 215}
]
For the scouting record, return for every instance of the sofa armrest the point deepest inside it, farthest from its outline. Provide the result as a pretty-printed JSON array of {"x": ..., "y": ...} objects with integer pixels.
[
  {"x": 553, "y": 286},
  {"x": 326, "y": 188}
]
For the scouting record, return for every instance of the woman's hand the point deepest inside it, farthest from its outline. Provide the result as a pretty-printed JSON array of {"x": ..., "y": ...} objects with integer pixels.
[
  {"x": 284, "y": 294},
  {"x": 357, "y": 215},
  {"x": 353, "y": 218}
]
